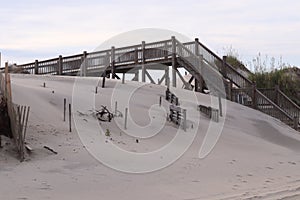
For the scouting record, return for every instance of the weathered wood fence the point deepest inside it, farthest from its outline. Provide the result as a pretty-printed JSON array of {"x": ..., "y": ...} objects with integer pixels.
[
  {"x": 178, "y": 116},
  {"x": 211, "y": 113},
  {"x": 172, "y": 98},
  {"x": 18, "y": 115}
]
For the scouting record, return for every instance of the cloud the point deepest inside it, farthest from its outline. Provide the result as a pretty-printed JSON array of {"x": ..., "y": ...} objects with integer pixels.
[{"x": 250, "y": 26}]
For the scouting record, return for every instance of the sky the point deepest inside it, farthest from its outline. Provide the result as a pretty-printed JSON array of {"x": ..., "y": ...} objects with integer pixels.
[{"x": 40, "y": 29}]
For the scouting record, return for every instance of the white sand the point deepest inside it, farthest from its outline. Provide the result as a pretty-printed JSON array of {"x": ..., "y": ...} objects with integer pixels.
[{"x": 257, "y": 157}]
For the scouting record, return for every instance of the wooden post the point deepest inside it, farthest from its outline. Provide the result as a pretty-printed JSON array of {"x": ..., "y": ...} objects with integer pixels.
[
  {"x": 70, "y": 115},
  {"x": 65, "y": 104},
  {"x": 44, "y": 84},
  {"x": 103, "y": 80},
  {"x": 125, "y": 122},
  {"x": 6, "y": 79},
  {"x": 113, "y": 69},
  {"x": 173, "y": 61},
  {"x": 220, "y": 105},
  {"x": 136, "y": 56},
  {"x": 196, "y": 46},
  {"x": 123, "y": 78},
  {"x": 296, "y": 121},
  {"x": 26, "y": 121},
  {"x": 160, "y": 100},
  {"x": 167, "y": 78},
  {"x": 36, "y": 67},
  {"x": 84, "y": 63},
  {"x": 184, "y": 119},
  {"x": 60, "y": 65},
  {"x": 143, "y": 62},
  {"x": 116, "y": 108}
]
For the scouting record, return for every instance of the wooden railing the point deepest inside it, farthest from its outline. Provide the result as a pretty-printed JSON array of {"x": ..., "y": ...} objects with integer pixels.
[
  {"x": 211, "y": 76},
  {"x": 283, "y": 101},
  {"x": 267, "y": 106},
  {"x": 225, "y": 69},
  {"x": 200, "y": 60},
  {"x": 252, "y": 97}
]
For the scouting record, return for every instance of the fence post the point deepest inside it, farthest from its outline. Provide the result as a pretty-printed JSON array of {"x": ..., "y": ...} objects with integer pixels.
[
  {"x": 123, "y": 78},
  {"x": 143, "y": 62},
  {"x": 70, "y": 114},
  {"x": 65, "y": 104},
  {"x": 254, "y": 103},
  {"x": 173, "y": 61},
  {"x": 36, "y": 67},
  {"x": 296, "y": 121},
  {"x": 184, "y": 119},
  {"x": 160, "y": 100},
  {"x": 60, "y": 65},
  {"x": 125, "y": 123},
  {"x": 103, "y": 80},
  {"x": 220, "y": 104},
  {"x": 116, "y": 108},
  {"x": 5, "y": 80},
  {"x": 113, "y": 69}
]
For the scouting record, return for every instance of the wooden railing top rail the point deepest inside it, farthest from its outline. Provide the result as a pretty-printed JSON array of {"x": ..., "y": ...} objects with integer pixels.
[
  {"x": 283, "y": 95},
  {"x": 274, "y": 105},
  {"x": 289, "y": 100},
  {"x": 227, "y": 65}
]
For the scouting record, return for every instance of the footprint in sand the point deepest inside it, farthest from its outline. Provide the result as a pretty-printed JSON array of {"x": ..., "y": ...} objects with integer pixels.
[
  {"x": 270, "y": 168},
  {"x": 292, "y": 163}
]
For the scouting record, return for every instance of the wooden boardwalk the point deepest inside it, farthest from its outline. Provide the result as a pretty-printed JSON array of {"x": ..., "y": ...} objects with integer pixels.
[{"x": 207, "y": 69}]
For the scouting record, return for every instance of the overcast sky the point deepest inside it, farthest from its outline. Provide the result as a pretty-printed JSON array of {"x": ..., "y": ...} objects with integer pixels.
[{"x": 38, "y": 29}]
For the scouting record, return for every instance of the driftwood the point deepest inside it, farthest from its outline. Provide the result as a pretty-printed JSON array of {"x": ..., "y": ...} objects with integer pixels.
[
  {"x": 49, "y": 149},
  {"x": 104, "y": 114}
]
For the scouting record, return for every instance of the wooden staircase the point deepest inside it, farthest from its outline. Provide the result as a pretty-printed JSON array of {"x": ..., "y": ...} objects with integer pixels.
[{"x": 241, "y": 90}]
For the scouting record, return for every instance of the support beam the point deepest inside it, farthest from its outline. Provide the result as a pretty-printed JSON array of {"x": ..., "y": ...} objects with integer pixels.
[
  {"x": 113, "y": 68},
  {"x": 196, "y": 46},
  {"x": 191, "y": 80},
  {"x": 174, "y": 65},
  {"x": 187, "y": 85},
  {"x": 84, "y": 64},
  {"x": 60, "y": 65},
  {"x": 167, "y": 78},
  {"x": 143, "y": 62},
  {"x": 116, "y": 76},
  {"x": 149, "y": 76},
  {"x": 162, "y": 79},
  {"x": 36, "y": 67},
  {"x": 136, "y": 76}
]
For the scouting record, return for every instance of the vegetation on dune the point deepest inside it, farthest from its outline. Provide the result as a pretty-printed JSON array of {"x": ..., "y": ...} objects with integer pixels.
[{"x": 267, "y": 73}]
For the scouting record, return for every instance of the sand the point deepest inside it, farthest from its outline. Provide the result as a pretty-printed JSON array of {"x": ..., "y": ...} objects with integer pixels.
[{"x": 256, "y": 156}]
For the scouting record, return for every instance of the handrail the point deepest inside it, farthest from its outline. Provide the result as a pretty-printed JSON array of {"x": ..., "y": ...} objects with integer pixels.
[
  {"x": 274, "y": 105},
  {"x": 227, "y": 64},
  {"x": 289, "y": 100}
]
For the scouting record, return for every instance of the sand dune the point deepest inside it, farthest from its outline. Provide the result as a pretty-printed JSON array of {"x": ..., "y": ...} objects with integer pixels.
[{"x": 256, "y": 157}]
